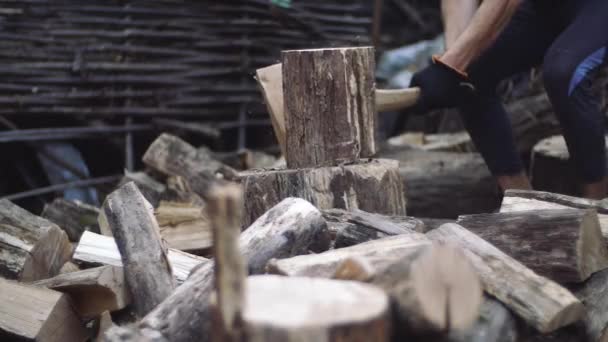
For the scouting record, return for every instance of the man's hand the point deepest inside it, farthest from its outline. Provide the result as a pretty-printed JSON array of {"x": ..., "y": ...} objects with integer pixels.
[{"x": 440, "y": 87}]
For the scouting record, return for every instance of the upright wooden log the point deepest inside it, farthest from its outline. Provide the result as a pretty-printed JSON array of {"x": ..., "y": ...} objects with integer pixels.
[
  {"x": 270, "y": 81},
  {"x": 540, "y": 302},
  {"x": 173, "y": 156},
  {"x": 95, "y": 249},
  {"x": 564, "y": 245},
  {"x": 74, "y": 217},
  {"x": 147, "y": 268},
  {"x": 30, "y": 313},
  {"x": 224, "y": 208},
  {"x": 349, "y": 186},
  {"x": 186, "y": 314},
  {"x": 93, "y": 291},
  {"x": 31, "y": 247},
  {"x": 308, "y": 309},
  {"x": 524, "y": 200},
  {"x": 329, "y": 105}
]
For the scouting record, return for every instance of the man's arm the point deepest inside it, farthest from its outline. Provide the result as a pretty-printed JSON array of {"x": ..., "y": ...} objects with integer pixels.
[
  {"x": 457, "y": 15},
  {"x": 489, "y": 20}
]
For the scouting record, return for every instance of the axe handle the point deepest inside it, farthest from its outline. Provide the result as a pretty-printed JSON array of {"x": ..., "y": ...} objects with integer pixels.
[{"x": 395, "y": 99}]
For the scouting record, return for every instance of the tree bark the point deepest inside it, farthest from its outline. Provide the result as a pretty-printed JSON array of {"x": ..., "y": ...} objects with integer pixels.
[
  {"x": 31, "y": 313},
  {"x": 563, "y": 245},
  {"x": 540, "y": 302},
  {"x": 359, "y": 226},
  {"x": 32, "y": 248},
  {"x": 95, "y": 249},
  {"x": 523, "y": 200},
  {"x": 350, "y": 186},
  {"x": 278, "y": 309},
  {"x": 92, "y": 291},
  {"x": 147, "y": 268},
  {"x": 445, "y": 185},
  {"x": 329, "y": 104},
  {"x": 73, "y": 217}
]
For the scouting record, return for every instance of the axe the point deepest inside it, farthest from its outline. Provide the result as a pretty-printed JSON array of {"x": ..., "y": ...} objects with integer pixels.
[{"x": 270, "y": 80}]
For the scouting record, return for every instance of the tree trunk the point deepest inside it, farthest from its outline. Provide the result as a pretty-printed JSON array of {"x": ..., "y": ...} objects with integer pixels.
[
  {"x": 32, "y": 248},
  {"x": 144, "y": 258},
  {"x": 523, "y": 200},
  {"x": 373, "y": 186},
  {"x": 95, "y": 249},
  {"x": 445, "y": 185},
  {"x": 73, "y": 217},
  {"x": 325, "y": 265},
  {"x": 563, "y": 245},
  {"x": 283, "y": 232},
  {"x": 92, "y": 291},
  {"x": 329, "y": 105},
  {"x": 279, "y": 309},
  {"x": 31, "y": 313},
  {"x": 540, "y": 302},
  {"x": 359, "y": 226}
]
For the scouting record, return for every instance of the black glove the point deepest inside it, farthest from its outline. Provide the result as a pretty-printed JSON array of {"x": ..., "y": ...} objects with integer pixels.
[{"x": 440, "y": 87}]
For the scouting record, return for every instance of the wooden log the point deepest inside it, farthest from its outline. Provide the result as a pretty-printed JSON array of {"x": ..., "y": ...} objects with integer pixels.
[
  {"x": 359, "y": 226},
  {"x": 594, "y": 294},
  {"x": 31, "y": 247},
  {"x": 102, "y": 325},
  {"x": 31, "y": 313},
  {"x": 329, "y": 105},
  {"x": 93, "y": 291},
  {"x": 524, "y": 200},
  {"x": 270, "y": 81},
  {"x": 532, "y": 119},
  {"x": 95, "y": 249},
  {"x": 147, "y": 268},
  {"x": 173, "y": 156},
  {"x": 225, "y": 211},
  {"x": 350, "y": 186},
  {"x": 283, "y": 232},
  {"x": 442, "y": 142},
  {"x": 540, "y": 302},
  {"x": 564, "y": 245},
  {"x": 494, "y": 324},
  {"x": 279, "y": 309},
  {"x": 324, "y": 265},
  {"x": 152, "y": 189},
  {"x": 445, "y": 185},
  {"x": 74, "y": 217},
  {"x": 184, "y": 226}
]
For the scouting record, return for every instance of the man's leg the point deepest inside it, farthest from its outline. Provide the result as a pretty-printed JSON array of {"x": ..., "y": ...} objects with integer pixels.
[
  {"x": 568, "y": 75},
  {"x": 521, "y": 46}
]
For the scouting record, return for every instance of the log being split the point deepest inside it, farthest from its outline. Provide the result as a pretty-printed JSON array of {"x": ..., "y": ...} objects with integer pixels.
[
  {"x": 565, "y": 245},
  {"x": 349, "y": 186},
  {"x": 284, "y": 231},
  {"x": 359, "y": 226},
  {"x": 433, "y": 288},
  {"x": 542, "y": 303},
  {"x": 329, "y": 105},
  {"x": 30, "y": 313},
  {"x": 73, "y": 217},
  {"x": 173, "y": 156},
  {"x": 32, "y": 248},
  {"x": 524, "y": 200},
  {"x": 147, "y": 268},
  {"x": 224, "y": 209},
  {"x": 92, "y": 291},
  {"x": 308, "y": 309},
  {"x": 95, "y": 249}
]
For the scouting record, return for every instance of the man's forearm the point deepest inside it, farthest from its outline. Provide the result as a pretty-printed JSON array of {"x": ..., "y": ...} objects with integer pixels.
[
  {"x": 457, "y": 15},
  {"x": 489, "y": 20}
]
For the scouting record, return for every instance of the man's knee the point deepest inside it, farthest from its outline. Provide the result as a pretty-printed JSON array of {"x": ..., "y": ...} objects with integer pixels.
[{"x": 558, "y": 70}]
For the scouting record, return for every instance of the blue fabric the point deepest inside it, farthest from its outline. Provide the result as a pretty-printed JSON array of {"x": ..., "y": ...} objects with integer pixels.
[{"x": 587, "y": 65}]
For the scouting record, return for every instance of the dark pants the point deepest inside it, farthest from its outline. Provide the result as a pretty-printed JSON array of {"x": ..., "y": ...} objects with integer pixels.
[{"x": 569, "y": 39}]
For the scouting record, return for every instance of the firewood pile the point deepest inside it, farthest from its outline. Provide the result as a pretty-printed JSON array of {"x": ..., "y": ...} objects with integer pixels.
[{"x": 318, "y": 249}]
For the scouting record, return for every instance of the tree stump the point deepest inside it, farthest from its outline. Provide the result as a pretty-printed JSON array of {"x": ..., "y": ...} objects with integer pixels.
[
  {"x": 32, "y": 248},
  {"x": 373, "y": 186},
  {"x": 329, "y": 105},
  {"x": 308, "y": 309},
  {"x": 564, "y": 245}
]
